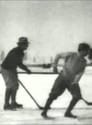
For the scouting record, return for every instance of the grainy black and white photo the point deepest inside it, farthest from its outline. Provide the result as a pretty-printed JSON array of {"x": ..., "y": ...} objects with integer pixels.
[{"x": 45, "y": 62}]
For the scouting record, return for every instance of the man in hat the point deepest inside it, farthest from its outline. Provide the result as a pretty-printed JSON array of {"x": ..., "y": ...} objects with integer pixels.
[
  {"x": 9, "y": 66},
  {"x": 68, "y": 79}
]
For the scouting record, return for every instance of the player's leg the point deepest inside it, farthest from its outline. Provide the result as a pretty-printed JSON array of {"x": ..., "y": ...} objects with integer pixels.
[
  {"x": 57, "y": 89},
  {"x": 76, "y": 96},
  {"x": 70, "y": 108},
  {"x": 46, "y": 107},
  {"x": 13, "y": 99},
  {"x": 7, "y": 98},
  {"x": 15, "y": 87},
  {"x": 8, "y": 82}
]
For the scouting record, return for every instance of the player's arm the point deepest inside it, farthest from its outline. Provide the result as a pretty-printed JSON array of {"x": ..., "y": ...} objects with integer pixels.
[
  {"x": 58, "y": 57},
  {"x": 24, "y": 67}
]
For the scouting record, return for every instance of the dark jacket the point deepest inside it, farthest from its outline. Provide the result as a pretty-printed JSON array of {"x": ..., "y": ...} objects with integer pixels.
[{"x": 14, "y": 59}]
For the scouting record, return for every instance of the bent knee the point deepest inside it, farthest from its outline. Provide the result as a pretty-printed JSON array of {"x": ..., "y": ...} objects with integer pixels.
[
  {"x": 77, "y": 97},
  {"x": 53, "y": 96}
]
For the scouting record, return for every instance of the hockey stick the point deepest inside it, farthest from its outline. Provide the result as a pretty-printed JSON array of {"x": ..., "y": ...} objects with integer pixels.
[
  {"x": 88, "y": 103},
  {"x": 45, "y": 65},
  {"x": 40, "y": 107}
]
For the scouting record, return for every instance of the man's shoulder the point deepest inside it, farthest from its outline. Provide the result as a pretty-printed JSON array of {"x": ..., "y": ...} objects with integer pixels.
[
  {"x": 71, "y": 55},
  {"x": 14, "y": 51}
]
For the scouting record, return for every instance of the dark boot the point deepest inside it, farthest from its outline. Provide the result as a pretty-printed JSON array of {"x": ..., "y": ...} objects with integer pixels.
[
  {"x": 47, "y": 106},
  {"x": 13, "y": 97},
  {"x": 9, "y": 107},
  {"x": 70, "y": 115},
  {"x": 17, "y": 105},
  {"x": 69, "y": 109}
]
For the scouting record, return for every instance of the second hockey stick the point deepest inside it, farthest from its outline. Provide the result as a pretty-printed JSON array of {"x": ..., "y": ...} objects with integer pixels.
[{"x": 40, "y": 107}]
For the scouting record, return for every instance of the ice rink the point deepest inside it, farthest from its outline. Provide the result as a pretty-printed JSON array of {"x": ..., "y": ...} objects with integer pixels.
[{"x": 39, "y": 86}]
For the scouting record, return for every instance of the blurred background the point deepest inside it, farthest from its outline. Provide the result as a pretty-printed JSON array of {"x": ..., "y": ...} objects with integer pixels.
[{"x": 52, "y": 27}]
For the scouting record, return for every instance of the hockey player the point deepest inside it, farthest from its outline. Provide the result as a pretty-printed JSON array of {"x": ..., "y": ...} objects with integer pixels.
[
  {"x": 13, "y": 60},
  {"x": 69, "y": 78}
]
